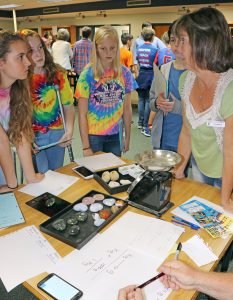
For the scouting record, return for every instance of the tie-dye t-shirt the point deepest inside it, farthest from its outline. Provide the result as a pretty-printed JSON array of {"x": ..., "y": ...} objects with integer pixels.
[
  {"x": 105, "y": 99},
  {"x": 46, "y": 109},
  {"x": 5, "y": 108}
]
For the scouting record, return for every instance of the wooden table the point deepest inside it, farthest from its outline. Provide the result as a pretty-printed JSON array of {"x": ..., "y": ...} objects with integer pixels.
[{"x": 182, "y": 190}]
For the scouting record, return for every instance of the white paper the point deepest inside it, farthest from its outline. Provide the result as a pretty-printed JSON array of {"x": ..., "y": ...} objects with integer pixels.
[
  {"x": 99, "y": 162},
  {"x": 198, "y": 251},
  {"x": 151, "y": 236},
  {"x": 129, "y": 252},
  {"x": 54, "y": 183},
  {"x": 182, "y": 214},
  {"x": 101, "y": 270},
  {"x": 24, "y": 253}
]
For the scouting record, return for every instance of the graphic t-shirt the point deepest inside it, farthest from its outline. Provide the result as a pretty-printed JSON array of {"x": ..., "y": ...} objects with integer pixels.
[
  {"x": 105, "y": 99},
  {"x": 5, "y": 108},
  {"x": 146, "y": 55},
  {"x": 46, "y": 109}
]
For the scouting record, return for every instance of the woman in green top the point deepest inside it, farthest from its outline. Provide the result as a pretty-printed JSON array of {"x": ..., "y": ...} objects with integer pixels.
[{"x": 205, "y": 43}]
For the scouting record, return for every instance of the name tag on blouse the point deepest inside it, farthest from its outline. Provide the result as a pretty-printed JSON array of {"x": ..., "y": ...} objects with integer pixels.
[{"x": 216, "y": 124}]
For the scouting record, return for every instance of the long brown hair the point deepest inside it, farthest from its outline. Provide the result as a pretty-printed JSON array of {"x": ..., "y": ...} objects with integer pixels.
[
  {"x": 20, "y": 101},
  {"x": 50, "y": 67},
  {"x": 209, "y": 37}
]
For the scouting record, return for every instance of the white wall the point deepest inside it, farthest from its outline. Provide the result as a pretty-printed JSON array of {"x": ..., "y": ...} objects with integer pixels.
[
  {"x": 135, "y": 20},
  {"x": 7, "y": 25}
]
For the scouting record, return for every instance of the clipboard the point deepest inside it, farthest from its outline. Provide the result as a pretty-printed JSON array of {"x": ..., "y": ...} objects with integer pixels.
[
  {"x": 51, "y": 145},
  {"x": 10, "y": 213}
]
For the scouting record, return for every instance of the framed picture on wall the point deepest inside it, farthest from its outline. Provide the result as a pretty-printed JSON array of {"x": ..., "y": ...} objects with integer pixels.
[{"x": 120, "y": 28}]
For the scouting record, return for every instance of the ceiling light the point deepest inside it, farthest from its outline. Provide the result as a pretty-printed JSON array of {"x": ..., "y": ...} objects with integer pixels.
[
  {"x": 9, "y": 6},
  {"x": 102, "y": 13},
  {"x": 80, "y": 16},
  {"x": 183, "y": 10}
]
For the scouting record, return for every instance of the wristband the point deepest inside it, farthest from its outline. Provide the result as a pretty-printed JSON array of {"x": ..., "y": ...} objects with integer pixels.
[
  {"x": 13, "y": 188},
  {"x": 86, "y": 148}
]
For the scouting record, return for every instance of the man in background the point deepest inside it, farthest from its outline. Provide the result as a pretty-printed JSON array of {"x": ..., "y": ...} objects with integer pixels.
[
  {"x": 140, "y": 41},
  {"x": 82, "y": 51}
]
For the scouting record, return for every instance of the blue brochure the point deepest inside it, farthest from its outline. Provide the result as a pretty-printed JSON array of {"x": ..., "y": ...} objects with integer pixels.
[{"x": 10, "y": 213}]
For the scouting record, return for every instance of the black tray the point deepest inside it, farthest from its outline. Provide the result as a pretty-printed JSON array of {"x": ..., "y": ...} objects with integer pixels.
[
  {"x": 87, "y": 229},
  {"x": 39, "y": 203},
  {"x": 117, "y": 189}
]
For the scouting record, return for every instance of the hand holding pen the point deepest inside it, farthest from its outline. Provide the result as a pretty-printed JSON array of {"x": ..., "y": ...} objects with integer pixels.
[{"x": 178, "y": 249}]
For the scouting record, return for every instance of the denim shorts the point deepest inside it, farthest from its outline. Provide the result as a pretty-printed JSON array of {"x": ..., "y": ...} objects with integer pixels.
[
  {"x": 199, "y": 176},
  {"x": 50, "y": 158},
  {"x": 105, "y": 143}
]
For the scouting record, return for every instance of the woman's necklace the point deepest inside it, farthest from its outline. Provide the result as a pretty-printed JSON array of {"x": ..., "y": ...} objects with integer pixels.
[{"x": 204, "y": 92}]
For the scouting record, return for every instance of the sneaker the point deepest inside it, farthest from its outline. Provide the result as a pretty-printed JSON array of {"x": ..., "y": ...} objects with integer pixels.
[
  {"x": 142, "y": 130},
  {"x": 139, "y": 126},
  {"x": 146, "y": 132}
]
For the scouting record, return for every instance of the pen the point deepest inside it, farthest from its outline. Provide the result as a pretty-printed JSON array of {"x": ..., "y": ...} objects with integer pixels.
[
  {"x": 184, "y": 224},
  {"x": 184, "y": 221},
  {"x": 149, "y": 281},
  {"x": 178, "y": 249}
]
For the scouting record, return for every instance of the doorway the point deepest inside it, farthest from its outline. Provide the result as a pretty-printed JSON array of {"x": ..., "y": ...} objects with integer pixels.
[{"x": 160, "y": 29}]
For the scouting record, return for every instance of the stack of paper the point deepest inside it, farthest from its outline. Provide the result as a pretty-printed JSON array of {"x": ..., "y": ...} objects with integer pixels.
[{"x": 100, "y": 161}]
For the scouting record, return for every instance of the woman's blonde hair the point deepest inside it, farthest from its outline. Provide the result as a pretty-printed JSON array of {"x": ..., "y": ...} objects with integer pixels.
[
  {"x": 20, "y": 101},
  {"x": 102, "y": 33}
]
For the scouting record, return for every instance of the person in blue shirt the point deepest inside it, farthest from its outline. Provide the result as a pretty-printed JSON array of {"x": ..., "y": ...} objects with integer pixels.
[
  {"x": 145, "y": 55},
  {"x": 168, "y": 119},
  {"x": 140, "y": 41},
  {"x": 164, "y": 55}
]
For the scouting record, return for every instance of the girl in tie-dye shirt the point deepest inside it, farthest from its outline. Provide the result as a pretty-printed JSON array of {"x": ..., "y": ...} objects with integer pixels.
[
  {"x": 15, "y": 111},
  {"x": 49, "y": 83},
  {"x": 103, "y": 92}
]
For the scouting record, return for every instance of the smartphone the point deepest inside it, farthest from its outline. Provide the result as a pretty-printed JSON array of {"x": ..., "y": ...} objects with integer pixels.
[
  {"x": 58, "y": 288},
  {"x": 83, "y": 172}
]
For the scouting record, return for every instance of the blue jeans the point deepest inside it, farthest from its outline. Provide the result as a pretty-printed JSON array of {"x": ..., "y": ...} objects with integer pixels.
[
  {"x": 105, "y": 143},
  {"x": 143, "y": 107},
  {"x": 199, "y": 176},
  {"x": 51, "y": 158}
]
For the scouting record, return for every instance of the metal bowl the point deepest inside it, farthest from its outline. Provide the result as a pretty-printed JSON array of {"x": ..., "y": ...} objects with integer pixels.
[{"x": 158, "y": 160}]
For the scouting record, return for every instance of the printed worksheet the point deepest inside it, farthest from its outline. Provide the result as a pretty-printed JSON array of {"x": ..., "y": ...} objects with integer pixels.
[
  {"x": 24, "y": 253},
  {"x": 104, "y": 268}
]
